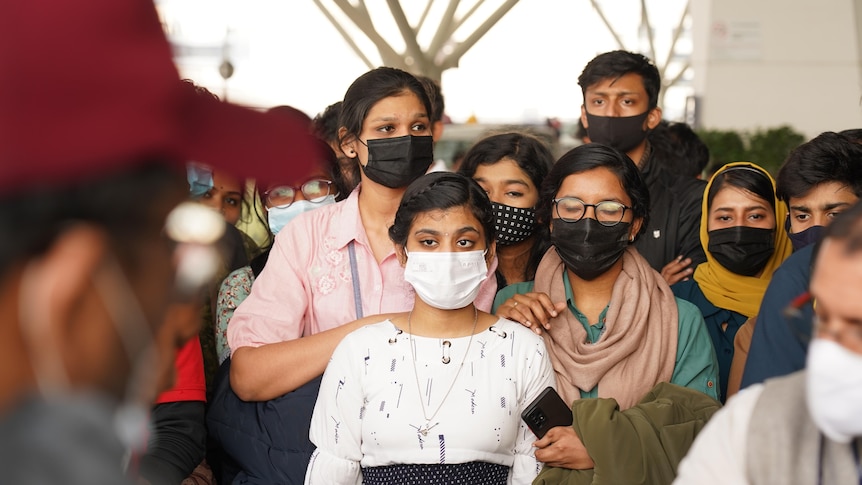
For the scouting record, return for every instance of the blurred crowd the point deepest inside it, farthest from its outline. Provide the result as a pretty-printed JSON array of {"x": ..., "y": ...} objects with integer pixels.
[{"x": 201, "y": 293}]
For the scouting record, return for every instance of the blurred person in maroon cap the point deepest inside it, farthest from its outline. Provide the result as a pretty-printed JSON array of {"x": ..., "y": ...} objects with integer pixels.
[{"x": 97, "y": 259}]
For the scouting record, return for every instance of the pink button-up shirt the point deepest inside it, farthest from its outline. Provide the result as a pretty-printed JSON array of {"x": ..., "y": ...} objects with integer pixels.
[{"x": 306, "y": 286}]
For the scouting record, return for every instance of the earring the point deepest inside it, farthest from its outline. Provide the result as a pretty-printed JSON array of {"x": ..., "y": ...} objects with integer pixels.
[{"x": 631, "y": 238}]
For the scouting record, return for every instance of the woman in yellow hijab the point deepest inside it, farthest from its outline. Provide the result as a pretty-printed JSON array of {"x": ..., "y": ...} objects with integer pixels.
[{"x": 742, "y": 233}]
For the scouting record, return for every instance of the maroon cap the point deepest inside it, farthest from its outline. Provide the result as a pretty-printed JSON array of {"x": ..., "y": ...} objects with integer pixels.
[{"x": 89, "y": 86}]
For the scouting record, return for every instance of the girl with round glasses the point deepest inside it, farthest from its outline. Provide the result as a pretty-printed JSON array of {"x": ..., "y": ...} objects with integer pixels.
[
  {"x": 281, "y": 204},
  {"x": 612, "y": 325},
  {"x": 433, "y": 394}
]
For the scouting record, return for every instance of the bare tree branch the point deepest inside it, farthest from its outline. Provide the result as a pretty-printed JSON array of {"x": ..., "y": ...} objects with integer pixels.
[
  {"x": 360, "y": 17},
  {"x": 613, "y": 32},
  {"x": 431, "y": 61},
  {"x": 672, "y": 82},
  {"x": 444, "y": 30},
  {"x": 679, "y": 74},
  {"x": 455, "y": 56},
  {"x": 649, "y": 32},
  {"x": 467, "y": 15},
  {"x": 424, "y": 15},
  {"x": 344, "y": 34},
  {"x": 409, "y": 35},
  {"x": 675, "y": 38}
]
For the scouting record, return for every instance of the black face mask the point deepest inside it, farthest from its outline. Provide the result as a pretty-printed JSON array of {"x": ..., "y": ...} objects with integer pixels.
[
  {"x": 804, "y": 238},
  {"x": 513, "y": 224},
  {"x": 588, "y": 248},
  {"x": 396, "y": 162},
  {"x": 622, "y": 133},
  {"x": 742, "y": 250}
]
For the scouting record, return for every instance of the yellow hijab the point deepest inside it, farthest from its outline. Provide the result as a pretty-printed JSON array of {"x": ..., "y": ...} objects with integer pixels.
[{"x": 729, "y": 290}]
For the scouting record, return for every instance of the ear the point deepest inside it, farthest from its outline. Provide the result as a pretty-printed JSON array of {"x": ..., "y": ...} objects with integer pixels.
[
  {"x": 401, "y": 254},
  {"x": 492, "y": 253},
  {"x": 635, "y": 228},
  {"x": 348, "y": 143},
  {"x": 584, "y": 117},
  {"x": 437, "y": 130},
  {"x": 653, "y": 118},
  {"x": 57, "y": 307}
]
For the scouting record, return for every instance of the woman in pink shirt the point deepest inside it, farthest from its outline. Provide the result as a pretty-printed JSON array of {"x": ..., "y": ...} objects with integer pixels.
[{"x": 334, "y": 265}]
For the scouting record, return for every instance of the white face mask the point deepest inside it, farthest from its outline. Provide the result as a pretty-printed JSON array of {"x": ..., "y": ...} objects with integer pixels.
[
  {"x": 279, "y": 216},
  {"x": 446, "y": 280},
  {"x": 834, "y": 381}
]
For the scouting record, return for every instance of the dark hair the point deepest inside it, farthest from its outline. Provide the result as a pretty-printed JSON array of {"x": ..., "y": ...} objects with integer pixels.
[
  {"x": 854, "y": 134},
  {"x": 371, "y": 87},
  {"x": 587, "y": 157},
  {"x": 829, "y": 157},
  {"x": 31, "y": 221},
  {"x": 441, "y": 190},
  {"x": 325, "y": 124},
  {"x": 750, "y": 178},
  {"x": 847, "y": 226},
  {"x": 435, "y": 95},
  {"x": 529, "y": 152},
  {"x": 616, "y": 64},
  {"x": 200, "y": 90},
  {"x": 346, "y": 173},
  {"x": 678, "y": 148}
]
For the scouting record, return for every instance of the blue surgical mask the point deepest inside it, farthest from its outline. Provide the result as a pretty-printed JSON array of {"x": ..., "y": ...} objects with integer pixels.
[
  {"x": 200, "y": 179},
  {"x": 280, "y": 216}
]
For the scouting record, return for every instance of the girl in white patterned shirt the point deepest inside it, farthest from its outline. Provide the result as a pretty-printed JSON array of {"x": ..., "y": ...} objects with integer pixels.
[{"x": 433, "y": 395}]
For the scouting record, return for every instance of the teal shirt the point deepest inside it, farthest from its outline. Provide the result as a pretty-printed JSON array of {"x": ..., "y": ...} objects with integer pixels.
[{"x": 696, "y": 366}]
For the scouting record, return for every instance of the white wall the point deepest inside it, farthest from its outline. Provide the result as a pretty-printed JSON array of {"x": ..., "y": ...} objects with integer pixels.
[{"x": 764, "y": 63}]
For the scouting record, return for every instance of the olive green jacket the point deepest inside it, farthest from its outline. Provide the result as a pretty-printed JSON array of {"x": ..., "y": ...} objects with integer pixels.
[{"x": 641, "y": 445}]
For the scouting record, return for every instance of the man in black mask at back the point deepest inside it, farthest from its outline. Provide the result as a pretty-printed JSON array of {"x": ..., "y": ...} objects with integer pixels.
[{"x": 620, "y": 107}]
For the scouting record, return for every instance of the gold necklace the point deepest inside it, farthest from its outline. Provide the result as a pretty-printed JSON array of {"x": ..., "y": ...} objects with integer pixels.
[{"x": 427, "y": 427}]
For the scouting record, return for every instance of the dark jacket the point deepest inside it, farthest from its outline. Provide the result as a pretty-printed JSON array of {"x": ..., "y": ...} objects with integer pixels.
[
  {"x": 268, "y": 441},
  {"x": 641, "y": 445},
  {"x": 178, "y": 442},
  {"x": 779, "y": 344},
  {"x": 674, "y": 216}
]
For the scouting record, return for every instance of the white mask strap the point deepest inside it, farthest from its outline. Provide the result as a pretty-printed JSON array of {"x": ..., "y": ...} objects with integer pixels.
[{"x": 34, "y": 317}]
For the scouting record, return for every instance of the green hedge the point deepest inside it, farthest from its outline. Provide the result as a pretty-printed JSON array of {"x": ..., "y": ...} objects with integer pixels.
[{"x": 765, "y": 147}]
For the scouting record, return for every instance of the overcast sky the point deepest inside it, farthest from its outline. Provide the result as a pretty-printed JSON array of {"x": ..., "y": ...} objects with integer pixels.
[{"x": 524, "y": 69}]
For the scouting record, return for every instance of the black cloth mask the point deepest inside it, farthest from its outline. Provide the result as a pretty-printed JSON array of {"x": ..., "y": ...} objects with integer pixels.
[
  {"x": 513, "y": 224},
  {"x": 742, "y": 250},
  {"x": 804, "y": 238},
  {"x": 588, "y": 248},
  {"x": 396, "y": 162},
  {"x": 620, "y": 132}
]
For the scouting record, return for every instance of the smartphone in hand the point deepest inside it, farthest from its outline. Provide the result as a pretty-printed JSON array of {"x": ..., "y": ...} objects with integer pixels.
[{"x": 546, "y": 411}]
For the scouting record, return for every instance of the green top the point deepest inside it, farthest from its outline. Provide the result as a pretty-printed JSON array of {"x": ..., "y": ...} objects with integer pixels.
[{"x": 696, "y": 366}]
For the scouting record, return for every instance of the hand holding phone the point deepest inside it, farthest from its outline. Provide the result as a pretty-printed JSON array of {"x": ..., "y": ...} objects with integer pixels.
[{"x": 546, "y": 411}]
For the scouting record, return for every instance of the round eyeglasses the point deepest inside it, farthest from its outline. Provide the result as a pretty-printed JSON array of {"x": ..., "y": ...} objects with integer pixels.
[
  {"x": 573, "y": 209},
  {"x": 284, "y": 195}
]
